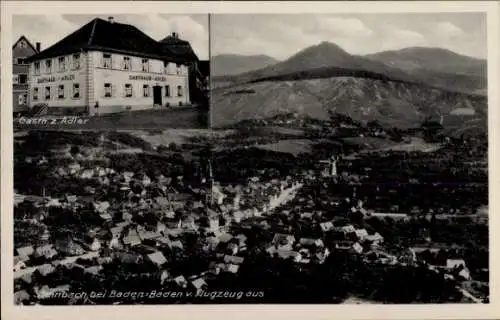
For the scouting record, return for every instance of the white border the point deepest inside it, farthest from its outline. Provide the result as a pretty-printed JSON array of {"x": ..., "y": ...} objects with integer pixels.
[{"x": 449, "y": 311}]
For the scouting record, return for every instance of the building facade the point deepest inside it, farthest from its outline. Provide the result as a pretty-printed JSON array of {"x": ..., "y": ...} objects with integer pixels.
[
  {"x": 21, "y": 51},
  {"x": 89, "y": 73},
  {"x": 198, "y": 73}
]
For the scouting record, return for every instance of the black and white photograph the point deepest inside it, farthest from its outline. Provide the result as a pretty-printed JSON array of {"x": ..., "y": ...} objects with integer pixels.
[
  {"x": 246, "y": 161},
  {"x": 353, "y": 151},
  {"x": 105, "y": 72}
]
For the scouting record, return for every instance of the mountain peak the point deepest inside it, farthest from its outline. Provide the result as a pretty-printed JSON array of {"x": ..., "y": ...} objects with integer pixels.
[
  {"x": 321, "y": 54},
  {"x": 327, "y": 45}
]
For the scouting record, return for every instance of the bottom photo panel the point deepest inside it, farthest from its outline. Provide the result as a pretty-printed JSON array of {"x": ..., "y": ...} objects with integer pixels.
[{"x": 219, "y": 217}]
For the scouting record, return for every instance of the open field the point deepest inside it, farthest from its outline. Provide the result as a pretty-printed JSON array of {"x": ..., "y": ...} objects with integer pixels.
[
  {"x": 292, "y": 146},
  {"x": 177, "y": 136},
  {"x": 371, "y": 144},
  {"x": 189, "y": 117}
]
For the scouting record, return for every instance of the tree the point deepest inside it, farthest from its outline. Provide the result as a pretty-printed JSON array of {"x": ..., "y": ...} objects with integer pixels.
[{"x": 430, "y": 129}]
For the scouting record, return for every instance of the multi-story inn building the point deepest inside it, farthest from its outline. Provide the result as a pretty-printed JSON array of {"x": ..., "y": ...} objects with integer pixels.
[
  {"x": 107, "y": 67},
  {"x": 21, "y": 51}
]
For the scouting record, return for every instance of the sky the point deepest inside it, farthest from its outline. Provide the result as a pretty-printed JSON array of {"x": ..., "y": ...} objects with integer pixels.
[
  {"x": 281, "y": 36},
  {"x": 48, "y": 29}
]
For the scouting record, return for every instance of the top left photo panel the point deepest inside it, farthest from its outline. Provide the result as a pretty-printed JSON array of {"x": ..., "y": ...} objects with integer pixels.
[{"x": 110, "y": 72}]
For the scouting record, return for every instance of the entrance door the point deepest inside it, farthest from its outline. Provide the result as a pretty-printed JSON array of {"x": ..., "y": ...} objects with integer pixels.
[{"x": 157, "y": 95}]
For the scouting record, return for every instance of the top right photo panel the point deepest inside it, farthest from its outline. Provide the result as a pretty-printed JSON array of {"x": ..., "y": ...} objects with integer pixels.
[
  {"x": 397, "y": 70},
  {"x": 364, "y": 139}
]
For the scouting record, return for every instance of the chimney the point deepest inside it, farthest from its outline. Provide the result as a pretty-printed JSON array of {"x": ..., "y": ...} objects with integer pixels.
[
  {"x": 111, "y": 19},
  {"x": 175, "y": 35},
  {"x": 38, "y": 46}
]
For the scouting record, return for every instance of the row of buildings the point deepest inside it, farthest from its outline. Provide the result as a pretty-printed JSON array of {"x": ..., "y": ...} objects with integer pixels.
[{"x": 107, "y": 67}]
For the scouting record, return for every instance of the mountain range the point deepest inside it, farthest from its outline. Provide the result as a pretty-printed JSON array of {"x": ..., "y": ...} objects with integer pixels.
[
  {"x": 398, "y": 88},
  {"x": 431, "y": 66}
]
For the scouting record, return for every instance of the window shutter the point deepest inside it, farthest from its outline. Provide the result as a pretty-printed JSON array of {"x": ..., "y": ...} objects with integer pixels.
[{"x": 113, "y": 90}]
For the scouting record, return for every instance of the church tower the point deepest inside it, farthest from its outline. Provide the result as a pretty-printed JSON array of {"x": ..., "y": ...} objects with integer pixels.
[{"x": 208, "y": 185}]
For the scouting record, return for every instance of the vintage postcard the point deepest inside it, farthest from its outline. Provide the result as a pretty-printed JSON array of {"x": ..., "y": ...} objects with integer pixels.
[
  {"x": 241, "y": 160},
  {"x": 106, "y": 72}
]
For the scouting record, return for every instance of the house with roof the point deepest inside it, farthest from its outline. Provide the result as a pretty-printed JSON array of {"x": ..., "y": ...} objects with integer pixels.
[
  {"x": 181, "y": 281},
  {"x": 347, "y": 229},
  {"x": 127, "y": 257},
  {"x": 46, "y": 251},
  {"x": 199, "y": 284},
  {"x": 231, "y": 268},
  {"x": 69, "y": 247},
  {"x": 101, "y": 206},
  {"x": 93, "y": 270},
  {"x": 357, "y": 248},
  {"x": 148, "y": 235},
  {"x": 157, "y": 258},
  {"x": 21, "y": 51},
  {"x": 90, "y": 72},
  {"x": 21, "y": 296},
  {"x": 87, "y": 174},
  {"x": 361, "y": 234},
  {"x": 24, "y": 253},
  {"x": 326, "y": 226},
  {"x": 311, "y": 242},
  {"x": 199, "y": 70},
  {"x": 46, "y": 269},
  {"x": 18, "y": 264},
  {"x": 131, "y": 239},
  {"x": 375, "y": 238},
  {"x": 289, "y": 254},
  {"x": 455, "y": 264},
  {"x": 94, "y": 245},
  {"x": 233, "y": 259},
  {"x": 283, "y": 241}
]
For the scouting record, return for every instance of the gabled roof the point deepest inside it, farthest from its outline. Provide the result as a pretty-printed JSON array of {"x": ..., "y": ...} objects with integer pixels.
[
  {"x": 107, "y": 36},
  {"x": 27, "y": 41},
  {"x": 172, "y": 45}
]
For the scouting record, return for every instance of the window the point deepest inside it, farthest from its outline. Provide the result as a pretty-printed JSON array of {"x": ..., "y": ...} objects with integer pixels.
[
  {"x": 107, "y": 90},
  {"x": 22, "y": 44},
  {"x": 145, "y": 90},
  {"x": 179, "y": 70},
  {"x": 76, "y": 91},
  {"x": 47, "y": 93},
  {"x": 35, "y": 94},
  {"x": 23, "y": 78},
  {"x": 126, "y": 63},
  {"x": 128, "y": 90},
  {"x": 76, "y": 61},
  {"x": 36, "y": 66},
  {"x": 48, "y": 66},
  {"x": 60, "y": 92},
  {"x": 106, "y": 60},
  {"x": 167, "y": 91},
  {"x": 15, "y": 79},
  {"x": 179, "y": 91},
  {"x": 21, "y": 61},
  {"x": 62, "y": 64},
  {"x": 145, "y": 65},
  {"x": 21, "y": 99}
]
